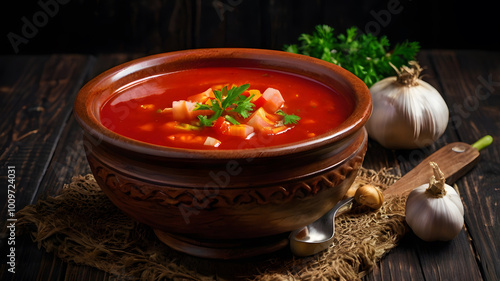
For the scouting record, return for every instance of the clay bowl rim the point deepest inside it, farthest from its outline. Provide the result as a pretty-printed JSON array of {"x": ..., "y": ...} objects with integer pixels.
[{"x": 87, "y": 119}]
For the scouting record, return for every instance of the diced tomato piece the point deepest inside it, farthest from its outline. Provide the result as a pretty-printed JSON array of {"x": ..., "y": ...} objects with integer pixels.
[
  {"x": 241, "y": 130},
  {"x": 218, "y": 123},
  {"x": 202, "y": 97},
  {"x": 259, "y": 120},
  {"x": 274, "y": 99},
  {"x": 260, "y": 102},
  {"x": 221, "y": 126}
]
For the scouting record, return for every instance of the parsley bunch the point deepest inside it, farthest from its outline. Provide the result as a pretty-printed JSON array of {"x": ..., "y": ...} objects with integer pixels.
[{"x": 365, "y": 55}]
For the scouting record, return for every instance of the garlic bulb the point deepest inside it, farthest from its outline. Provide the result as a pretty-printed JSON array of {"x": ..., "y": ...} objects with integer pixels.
[
  {"x": 407, "y": 112},
  {"x": 434, "y": 211}
]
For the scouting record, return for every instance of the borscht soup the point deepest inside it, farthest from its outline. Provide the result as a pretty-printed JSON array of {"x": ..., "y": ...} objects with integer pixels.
[{"x": 224, "y": 108}]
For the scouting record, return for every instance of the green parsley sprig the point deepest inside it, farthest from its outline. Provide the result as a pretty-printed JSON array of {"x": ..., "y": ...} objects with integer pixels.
[
  {"x": 226, "y": 100},
  {"x": 288, "y": 119},
  {"x": 365, "y": 55}
]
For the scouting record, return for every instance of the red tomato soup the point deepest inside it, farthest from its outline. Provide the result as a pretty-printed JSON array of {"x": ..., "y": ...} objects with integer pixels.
[{"x": 224, "y": 108}]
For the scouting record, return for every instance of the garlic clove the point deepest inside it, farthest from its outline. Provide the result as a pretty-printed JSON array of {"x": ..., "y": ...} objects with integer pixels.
[{"x": 369, "y": 195}]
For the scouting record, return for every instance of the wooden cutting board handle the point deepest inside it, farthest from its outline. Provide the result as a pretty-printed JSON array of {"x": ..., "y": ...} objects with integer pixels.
[{"x": 454, "y": 160}]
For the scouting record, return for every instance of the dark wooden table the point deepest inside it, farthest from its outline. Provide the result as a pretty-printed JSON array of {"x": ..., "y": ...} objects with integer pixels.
[{"x": 41, "y": 141}]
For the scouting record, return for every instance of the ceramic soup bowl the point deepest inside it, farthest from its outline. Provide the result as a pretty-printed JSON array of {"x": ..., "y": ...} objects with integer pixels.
[{"x": 224, "y": 203}]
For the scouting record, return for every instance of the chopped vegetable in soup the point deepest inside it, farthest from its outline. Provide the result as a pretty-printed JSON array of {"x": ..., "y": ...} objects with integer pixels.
[{"x": 224, "y": 108}]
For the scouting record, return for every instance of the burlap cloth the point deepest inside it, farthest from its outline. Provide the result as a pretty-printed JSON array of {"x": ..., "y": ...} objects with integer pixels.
[{"x": 81, "y": 225}]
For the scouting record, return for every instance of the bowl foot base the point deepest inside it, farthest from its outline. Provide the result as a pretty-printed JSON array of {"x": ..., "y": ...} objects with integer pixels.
[{"x": 224, "y": 249}]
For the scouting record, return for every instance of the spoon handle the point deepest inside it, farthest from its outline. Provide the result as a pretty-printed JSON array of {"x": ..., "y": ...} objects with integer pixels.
[
  {"x": 303, "y": 242},
  {"x": 454, "y": 160}
]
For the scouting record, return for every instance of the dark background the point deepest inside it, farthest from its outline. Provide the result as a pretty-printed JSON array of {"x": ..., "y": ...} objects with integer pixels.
[{"x": 154, "y": 26}]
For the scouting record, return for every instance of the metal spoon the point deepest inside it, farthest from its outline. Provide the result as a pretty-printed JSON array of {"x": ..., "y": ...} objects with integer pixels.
[
  {"x": 454, "y": 159},
  {"x": 318, "y": 235}
]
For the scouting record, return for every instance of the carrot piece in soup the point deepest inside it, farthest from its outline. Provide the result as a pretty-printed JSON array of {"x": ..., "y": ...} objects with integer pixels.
[
  {"x": 254, "y": 93},
  {"x": 274, "y": 99},
  {"x": 240, "y": 130},
  {"x": 259, "y": 120}
]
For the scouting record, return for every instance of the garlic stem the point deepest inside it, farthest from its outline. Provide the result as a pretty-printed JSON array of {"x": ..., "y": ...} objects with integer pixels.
[
  {"x": 436, "y": 187},
  {"x": 408, "y": 76}
]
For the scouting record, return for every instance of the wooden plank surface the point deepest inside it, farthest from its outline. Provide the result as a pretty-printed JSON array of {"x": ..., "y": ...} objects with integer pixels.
[
  {"x": 36, "y": 93},
  {"x": 37, "y": 97},
  {"x": 475, "y": 84}
]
